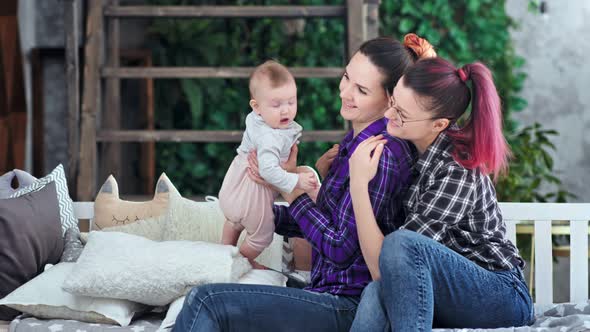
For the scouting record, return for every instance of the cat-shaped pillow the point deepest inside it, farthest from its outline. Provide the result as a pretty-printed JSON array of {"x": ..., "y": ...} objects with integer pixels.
[{"x": 110, "y": 210}]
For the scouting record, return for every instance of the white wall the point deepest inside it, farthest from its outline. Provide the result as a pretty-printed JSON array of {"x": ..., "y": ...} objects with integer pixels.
[{"x": 556, "y": 46}]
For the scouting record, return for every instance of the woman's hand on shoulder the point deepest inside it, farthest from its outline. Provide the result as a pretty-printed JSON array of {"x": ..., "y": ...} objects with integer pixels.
[
  {"x": 323, "y": 164},
  {"x": 363, "y": 165}
]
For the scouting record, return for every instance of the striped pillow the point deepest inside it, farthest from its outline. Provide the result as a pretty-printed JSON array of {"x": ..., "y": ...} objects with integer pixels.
[{"x": 66, "y": 207}]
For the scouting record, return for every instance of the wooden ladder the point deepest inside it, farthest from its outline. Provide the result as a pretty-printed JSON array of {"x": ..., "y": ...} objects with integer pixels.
[{"x": 102, "y": 63}]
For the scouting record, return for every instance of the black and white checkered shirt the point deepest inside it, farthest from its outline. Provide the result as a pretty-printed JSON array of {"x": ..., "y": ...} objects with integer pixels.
[{"x": 458, "y": 208}]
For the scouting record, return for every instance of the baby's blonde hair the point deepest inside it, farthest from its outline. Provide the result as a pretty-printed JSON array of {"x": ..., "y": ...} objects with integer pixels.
[{"x": 273, "y": 72}]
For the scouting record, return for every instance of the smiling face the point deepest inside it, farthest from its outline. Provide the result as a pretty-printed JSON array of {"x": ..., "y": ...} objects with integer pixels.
[
  {"x": 277, "y": 106},
  {"x": 364, "y": 99},
  {"x": 409, "y": 120}
]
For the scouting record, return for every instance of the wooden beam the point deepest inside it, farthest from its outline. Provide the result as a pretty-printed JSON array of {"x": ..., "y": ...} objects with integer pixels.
[
  {"x": 226, "y": 11},
  {"x": 38, "y": 129},
  {"x": 149, "y": 148},
  {"x": 110, "y": 153},
  {"x": 72, "y": 62},
  {"x": 14, "y": 101},
  {"x": 203, "y": 136},
  {"x": 4, "y": 130},
  {"x": 355, "y": 25},
  {"x": 147, "y": 171},
  {"x": 17, "y": 123},
  {"x": 8, "y": 8},
  {"x": 90, "y": 101},
  {"x": 362, "y": 23},
  {"x": 372, "y": 19},
  {"x": 213, "y": 72}
]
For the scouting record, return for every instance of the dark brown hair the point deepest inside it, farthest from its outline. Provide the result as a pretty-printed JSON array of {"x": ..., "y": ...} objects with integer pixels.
[{"x": 393, "y": 58}]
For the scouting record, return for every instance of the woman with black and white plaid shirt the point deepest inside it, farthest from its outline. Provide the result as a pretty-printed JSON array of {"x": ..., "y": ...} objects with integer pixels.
[{"x": 450, "y": 263}]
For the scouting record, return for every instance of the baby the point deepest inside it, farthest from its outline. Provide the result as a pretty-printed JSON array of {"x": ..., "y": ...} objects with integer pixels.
[{"x": 271, "y": 131}]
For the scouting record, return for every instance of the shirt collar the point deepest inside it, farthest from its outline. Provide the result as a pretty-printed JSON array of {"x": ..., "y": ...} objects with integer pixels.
[
  {"x": 350, "y": 142},
  {"x": 440, "y": 145}
]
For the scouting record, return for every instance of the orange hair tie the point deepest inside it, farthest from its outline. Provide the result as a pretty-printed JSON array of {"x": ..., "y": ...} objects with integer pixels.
[{"x": 420, "y": 46}]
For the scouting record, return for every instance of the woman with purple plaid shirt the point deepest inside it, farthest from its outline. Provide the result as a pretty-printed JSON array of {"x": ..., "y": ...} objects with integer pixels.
[
  {"x": 339, "y": 272},
  {"x": 449, "y": 264}
]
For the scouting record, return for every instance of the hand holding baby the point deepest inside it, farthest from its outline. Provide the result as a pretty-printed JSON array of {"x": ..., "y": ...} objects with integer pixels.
[{"x": 307, "y": 182}]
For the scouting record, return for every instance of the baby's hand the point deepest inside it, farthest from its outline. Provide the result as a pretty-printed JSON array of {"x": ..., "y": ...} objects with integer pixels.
[{"x": 307, "y": 181}]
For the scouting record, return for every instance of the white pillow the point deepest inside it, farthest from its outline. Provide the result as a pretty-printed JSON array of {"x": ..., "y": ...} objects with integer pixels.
[
  {"x": 187, "y": 220},
  {"x": 172, "y": 314},
  {"x": 43, "y": 297},
  {"x": 203, "y": 221},
  {"x": 255, "y": 277},
  {"x": 124, "y": 266}
]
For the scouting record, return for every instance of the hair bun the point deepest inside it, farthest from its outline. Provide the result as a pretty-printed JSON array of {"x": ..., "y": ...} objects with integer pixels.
[{"x": 420, "y": 46}]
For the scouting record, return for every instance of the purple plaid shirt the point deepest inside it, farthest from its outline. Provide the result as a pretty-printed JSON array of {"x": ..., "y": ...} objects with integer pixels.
[{"x": 338, "y": 266}]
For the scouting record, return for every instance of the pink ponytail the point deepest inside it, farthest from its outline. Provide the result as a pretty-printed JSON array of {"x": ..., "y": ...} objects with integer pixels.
[
  {"x": 479, "y": 144},
  {"x": 481, "y": 138}
]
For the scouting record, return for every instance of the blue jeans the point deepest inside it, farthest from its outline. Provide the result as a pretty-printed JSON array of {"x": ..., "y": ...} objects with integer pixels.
[
  {"x": 240, "y": 307},
  {"x": 425, "y": 284}
]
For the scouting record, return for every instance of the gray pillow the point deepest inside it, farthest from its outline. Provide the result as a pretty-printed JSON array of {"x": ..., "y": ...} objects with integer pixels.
[
  {"x": 66, "y": 206},
  {"x": 24, "y": 180},
  {"x": 30, "y": 237},
  {"x": 73, "y": 246}
]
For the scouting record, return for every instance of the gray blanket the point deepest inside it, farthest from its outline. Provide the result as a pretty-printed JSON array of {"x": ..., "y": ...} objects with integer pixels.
[
  {"x": 148, "y": 323},
  {"x": 564, "y": 317}
]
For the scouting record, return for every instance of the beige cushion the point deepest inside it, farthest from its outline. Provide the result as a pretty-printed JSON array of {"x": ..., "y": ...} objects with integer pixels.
[
  {"x": 110, "y": 210},
  {"x": 151, "y": 228}
]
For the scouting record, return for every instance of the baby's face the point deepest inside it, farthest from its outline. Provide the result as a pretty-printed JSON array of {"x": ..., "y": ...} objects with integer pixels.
[{"x": 277, "y": 106}]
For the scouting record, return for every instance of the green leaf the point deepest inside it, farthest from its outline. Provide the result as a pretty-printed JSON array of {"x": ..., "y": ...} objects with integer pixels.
[
  {"x": 195, "y": 98},
  {"x": 406, "y": 25},
  {"x": 519, "y": 104},
  {"x": 473, "y": 5}
]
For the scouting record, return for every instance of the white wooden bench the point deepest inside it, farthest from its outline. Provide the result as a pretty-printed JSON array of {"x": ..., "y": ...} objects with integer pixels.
[{"x": 542, "y": 214}]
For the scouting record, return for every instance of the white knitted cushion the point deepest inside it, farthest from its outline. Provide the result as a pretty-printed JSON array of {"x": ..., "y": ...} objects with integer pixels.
[
  {"x": 123, "y": 266},
  {"x": 203, "y": 221}
]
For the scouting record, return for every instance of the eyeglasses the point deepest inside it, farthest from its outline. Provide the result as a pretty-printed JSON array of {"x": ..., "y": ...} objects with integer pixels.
[{"x": 399, "y": 120}]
